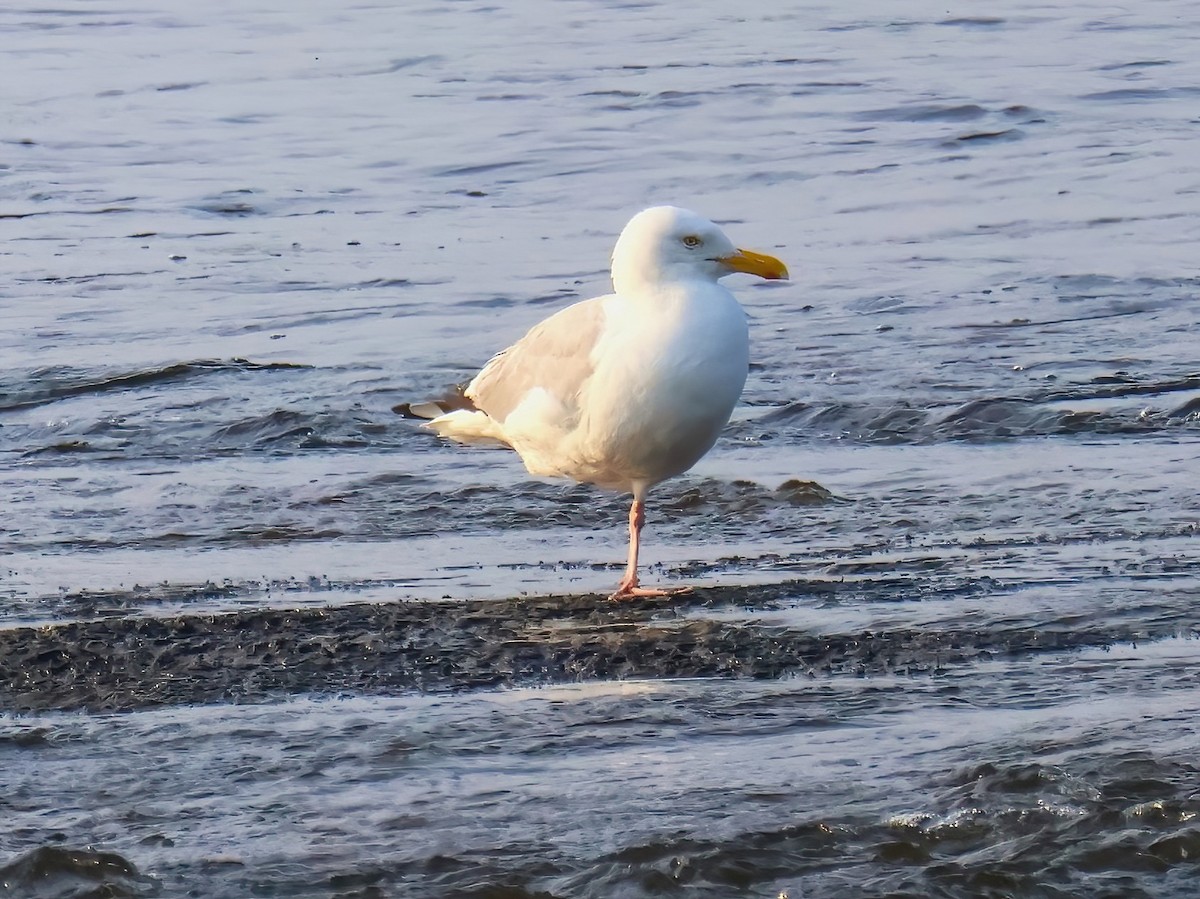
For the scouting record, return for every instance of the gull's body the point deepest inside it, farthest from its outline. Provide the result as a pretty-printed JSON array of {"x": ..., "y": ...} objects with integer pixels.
[{"x": 625, "y": 390}]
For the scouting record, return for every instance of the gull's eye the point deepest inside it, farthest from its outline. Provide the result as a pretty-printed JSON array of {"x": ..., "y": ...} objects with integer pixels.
[{"x": 692, "y": 241}]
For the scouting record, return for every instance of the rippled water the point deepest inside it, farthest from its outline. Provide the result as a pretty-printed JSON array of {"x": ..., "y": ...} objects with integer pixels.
[{"x": 260, "y": 636}]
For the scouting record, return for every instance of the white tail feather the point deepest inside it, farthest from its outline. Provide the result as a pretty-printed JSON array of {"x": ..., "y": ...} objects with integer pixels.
[{"x": 468, "y": 426}]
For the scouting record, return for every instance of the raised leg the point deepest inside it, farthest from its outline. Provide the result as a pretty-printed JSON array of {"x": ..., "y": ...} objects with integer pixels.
[{"x": 628, "y": 588}]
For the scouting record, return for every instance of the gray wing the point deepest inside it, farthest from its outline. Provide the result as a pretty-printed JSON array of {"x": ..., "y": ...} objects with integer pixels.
[{"x": 555, "y": 355}]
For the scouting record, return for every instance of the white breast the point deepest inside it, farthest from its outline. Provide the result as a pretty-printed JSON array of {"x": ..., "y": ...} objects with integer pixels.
[{"x": 669, "y": 371}]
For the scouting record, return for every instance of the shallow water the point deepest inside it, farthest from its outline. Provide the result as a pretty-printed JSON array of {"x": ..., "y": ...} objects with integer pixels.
[{"x": 260, "y": 636}]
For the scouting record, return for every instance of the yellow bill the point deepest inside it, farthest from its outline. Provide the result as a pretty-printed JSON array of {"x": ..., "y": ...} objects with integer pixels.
[{"x": 756, "y": 264}]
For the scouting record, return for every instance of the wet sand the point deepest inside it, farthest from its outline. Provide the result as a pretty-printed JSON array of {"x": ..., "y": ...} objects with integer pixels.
[{"x": 121, "y": 664}]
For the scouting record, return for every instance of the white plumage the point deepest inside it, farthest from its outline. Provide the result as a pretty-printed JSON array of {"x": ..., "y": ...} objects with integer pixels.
[{"x": 629, "y": 389}]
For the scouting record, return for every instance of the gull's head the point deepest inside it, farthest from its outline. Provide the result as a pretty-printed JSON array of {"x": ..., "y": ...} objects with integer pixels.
[{"x": 666, "y": 244}]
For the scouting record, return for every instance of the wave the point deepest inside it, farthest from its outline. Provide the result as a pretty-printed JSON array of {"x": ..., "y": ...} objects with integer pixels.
[
  {"x": 1096, "y": 409},
  {"x": 43, "y": 386}
]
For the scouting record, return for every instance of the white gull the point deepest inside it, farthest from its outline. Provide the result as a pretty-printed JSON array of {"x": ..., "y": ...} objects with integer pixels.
[{"x": 625, "y": 390}]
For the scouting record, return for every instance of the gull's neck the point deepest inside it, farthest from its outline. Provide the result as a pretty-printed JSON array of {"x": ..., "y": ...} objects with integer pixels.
[{"x": 651, "y": 280}]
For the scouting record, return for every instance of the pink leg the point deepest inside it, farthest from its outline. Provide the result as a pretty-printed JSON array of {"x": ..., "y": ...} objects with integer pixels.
[{"x": 628, "y": 587}]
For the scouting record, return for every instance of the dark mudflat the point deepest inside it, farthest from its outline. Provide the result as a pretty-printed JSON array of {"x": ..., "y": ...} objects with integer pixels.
[{"x": 118, "y": 664}]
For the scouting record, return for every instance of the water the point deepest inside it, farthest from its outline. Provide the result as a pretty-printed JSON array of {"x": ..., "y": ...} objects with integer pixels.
[{"x": 261, "y": 637}]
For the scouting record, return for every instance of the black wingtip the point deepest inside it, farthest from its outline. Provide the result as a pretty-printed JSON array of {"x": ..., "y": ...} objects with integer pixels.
[
  {"x": 427, "y": 409},
  {"x": 405, "y": 410},
  {"x": 418, "y": 411}
]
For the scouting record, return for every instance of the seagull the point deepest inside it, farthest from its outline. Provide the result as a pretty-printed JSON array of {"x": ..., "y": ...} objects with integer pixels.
[{"x": 626, "y": 390}]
